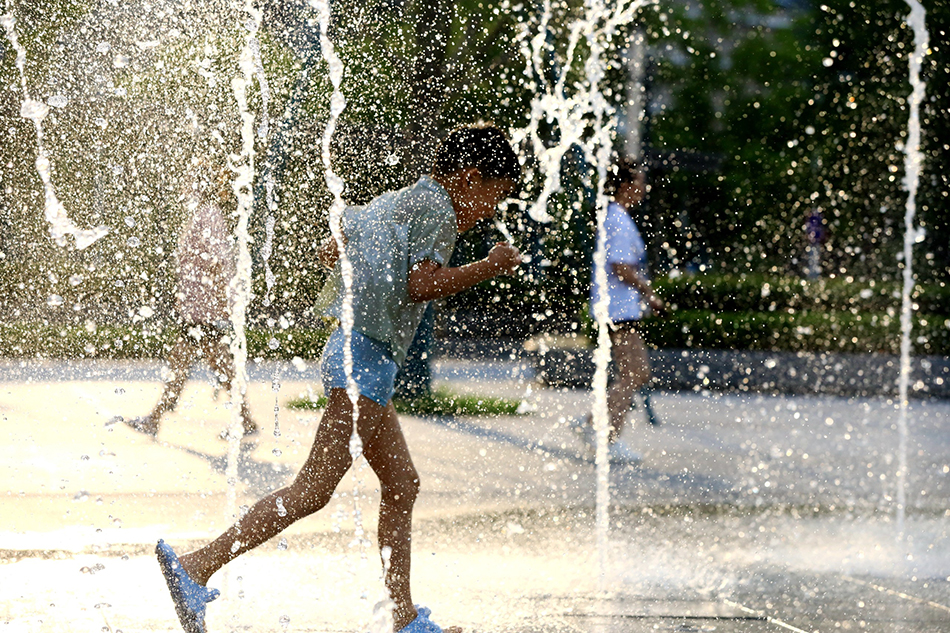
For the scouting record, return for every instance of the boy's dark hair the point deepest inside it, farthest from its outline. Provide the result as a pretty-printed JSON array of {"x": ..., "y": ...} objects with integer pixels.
[
  {"x": 483, "y": 147},
  {"x": 624, "y": 169}
]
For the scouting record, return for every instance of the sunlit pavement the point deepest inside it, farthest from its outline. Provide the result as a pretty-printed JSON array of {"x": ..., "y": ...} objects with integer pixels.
[{"x": 747, "y": 513}]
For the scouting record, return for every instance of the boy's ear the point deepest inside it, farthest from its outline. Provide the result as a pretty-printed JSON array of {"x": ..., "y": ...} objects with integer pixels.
[{"x": 472, "y": 176}]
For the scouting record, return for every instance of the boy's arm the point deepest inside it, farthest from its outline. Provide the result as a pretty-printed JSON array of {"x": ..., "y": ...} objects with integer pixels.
[
  {"x": 631, "y": 276},
  {"x": 429, "y": 280}
]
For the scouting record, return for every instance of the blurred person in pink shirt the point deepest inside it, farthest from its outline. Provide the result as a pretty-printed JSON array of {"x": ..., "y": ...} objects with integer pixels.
[{"x": 206, "y": 264}]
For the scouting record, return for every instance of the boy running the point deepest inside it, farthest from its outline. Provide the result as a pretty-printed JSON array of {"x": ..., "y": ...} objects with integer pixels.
[{"x": 399, "y": 246}]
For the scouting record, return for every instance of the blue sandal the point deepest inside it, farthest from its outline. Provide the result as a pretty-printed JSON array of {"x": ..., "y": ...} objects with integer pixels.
[
  {"x": 422, "y": 623},
  {"x": 189, "y": 597}
]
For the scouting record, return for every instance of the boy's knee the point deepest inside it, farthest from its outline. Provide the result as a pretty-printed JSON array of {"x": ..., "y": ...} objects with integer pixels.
[{"x": 404, "y": 491}]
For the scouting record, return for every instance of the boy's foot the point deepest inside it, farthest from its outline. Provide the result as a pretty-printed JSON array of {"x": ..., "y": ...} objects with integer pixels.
[
  {"x": 422, "y": 623},
  {"x": 189, "y": 597},
  {"x": 143, "y": 424}
]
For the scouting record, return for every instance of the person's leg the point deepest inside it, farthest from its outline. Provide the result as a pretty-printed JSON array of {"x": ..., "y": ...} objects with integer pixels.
[
  {"x": 388, "y": 455},
  {"x": 632, "y": 370},
  {"x": 221, "y": 362},
  {"x": 311, "y": 490},
  {"x": 179, "y": 362}
]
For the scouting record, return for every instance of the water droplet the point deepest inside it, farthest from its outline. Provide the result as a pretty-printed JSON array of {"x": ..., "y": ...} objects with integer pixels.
[
  {"x": 273, "y": 343},
  {"x": 281, "y": 510},
  {"x": 276, "y": 452},
  {"x": 35, "y": 111},
  {"x": 235, "y": 546},
  {"x": 57, "y": 101},
  {"x": 284, "y": 621},
  {"x": 392, "y": 160},
  {"x": 103, "y": 47},
  {"x": 75, "y": 280},
  {"x": 134, "y": 242},
  {"x": 121, "y": 61},
  {"x": 282, "y": 544}
]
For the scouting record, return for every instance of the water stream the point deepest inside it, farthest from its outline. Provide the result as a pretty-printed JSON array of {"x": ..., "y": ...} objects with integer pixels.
[
  {"x": 584, "y": 119},
  {"x": 240, "y": 287},
  {"x": 61, "y": 226},
  {"x": 381, "y": 619},
  {"x": 913, "y": 160}
]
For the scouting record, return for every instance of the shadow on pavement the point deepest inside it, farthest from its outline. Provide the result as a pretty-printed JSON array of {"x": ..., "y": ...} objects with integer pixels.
[{"x": 261, "y": 477}]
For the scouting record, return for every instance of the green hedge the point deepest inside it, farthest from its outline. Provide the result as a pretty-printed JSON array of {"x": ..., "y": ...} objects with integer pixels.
[
  {"x": 32, "y": 340},
  {"x": 441, "y": 402},
  {"x": 813, "y": 331},
  {"x": 761, "y": 293}
]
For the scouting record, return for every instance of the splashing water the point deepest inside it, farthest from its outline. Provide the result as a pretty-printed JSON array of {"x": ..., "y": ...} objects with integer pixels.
[
  {"x": 584, "y": 119},
  {"x": 336, "y": 185},
  {"x": 263, "y": 133},
  {"x": 240, "y": 287},
  {"x": 36, "y": 111},
  {"x": 913, "y": 159},
  {"x": 381, "y": 620}
]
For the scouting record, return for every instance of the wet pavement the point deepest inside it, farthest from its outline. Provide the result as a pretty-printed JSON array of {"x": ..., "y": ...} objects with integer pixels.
[{"x": 747, "y": 513}]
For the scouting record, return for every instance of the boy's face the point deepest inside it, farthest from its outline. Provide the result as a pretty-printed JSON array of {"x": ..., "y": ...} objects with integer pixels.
[{"x": 478, "y": 198}]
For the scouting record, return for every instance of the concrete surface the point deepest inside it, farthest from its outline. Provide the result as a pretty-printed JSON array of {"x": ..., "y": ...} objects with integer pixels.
[{"x": 748, "y": 512}]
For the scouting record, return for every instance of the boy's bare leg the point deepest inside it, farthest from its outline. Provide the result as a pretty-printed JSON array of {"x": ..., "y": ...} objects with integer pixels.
[
  {"x": 311, "y": 490},
  {"x": 388, "y": 455},
  {"x": 632, "y": 371}
]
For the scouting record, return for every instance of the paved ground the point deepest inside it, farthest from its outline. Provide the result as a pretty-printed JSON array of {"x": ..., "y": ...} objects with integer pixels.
[{"x": 748, "y": 513}]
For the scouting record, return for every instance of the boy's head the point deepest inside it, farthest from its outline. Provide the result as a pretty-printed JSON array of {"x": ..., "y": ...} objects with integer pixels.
[
  {"x": 625, "y": 181},
  {"x": 479, "y": 169},
  {"x": 483, "y": 147}
]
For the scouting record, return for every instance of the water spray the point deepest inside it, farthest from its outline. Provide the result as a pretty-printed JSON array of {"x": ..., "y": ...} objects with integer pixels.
[
  {"x": 913, "y": 160},
  {"x": 36, "y": 111},
  {"x": 585, "y": 119},
  {"x": 240, "y": 286},
  {"x": 336, "y": 185}
]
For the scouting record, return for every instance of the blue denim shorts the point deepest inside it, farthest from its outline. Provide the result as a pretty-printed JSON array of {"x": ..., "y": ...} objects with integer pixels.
[{"x": 374, "y": 369}]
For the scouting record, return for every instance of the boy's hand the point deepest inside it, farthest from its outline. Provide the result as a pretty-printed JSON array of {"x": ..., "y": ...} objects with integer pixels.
[
  {"x": 429, "y": 280},
  {"x": 504, "y": 257}
]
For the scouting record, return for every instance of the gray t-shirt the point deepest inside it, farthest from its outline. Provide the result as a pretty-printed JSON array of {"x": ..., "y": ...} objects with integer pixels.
[{"x": 385, "y": 239}]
